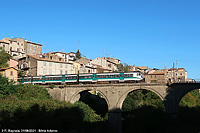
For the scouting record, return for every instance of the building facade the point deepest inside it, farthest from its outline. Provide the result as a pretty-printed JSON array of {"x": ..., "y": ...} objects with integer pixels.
[
  {"x": 20, "y": 47},
  {"x": 107, "y": 63},
  {"x": 10, "y": 73},
  {"x": 68, "y": 57},
  {"x": 35, "y": 66}
]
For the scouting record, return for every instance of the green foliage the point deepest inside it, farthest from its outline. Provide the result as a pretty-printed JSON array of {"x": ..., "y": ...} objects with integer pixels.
[
  {"x": 78, "y": 54},
  {"x": 123, "y": 67},
  {"x": 6, "y": 87},
  {"x": 20, "y": 73},
  {"x": 30, "y": 106},
  {"x": 51, "y": 86},
  {"x": 30, "y": 92},
  {"x": 140, "y": 98},
  {"x": 120, "y": 67},
  {"x": 4, "y": 57},
  {"x": 88, "y": 114},
  {"x": 191, "y": 99},
  {"x": 126, "y": 67}
]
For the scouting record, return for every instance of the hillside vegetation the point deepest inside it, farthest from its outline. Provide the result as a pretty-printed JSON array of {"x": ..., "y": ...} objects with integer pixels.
[{"x": 31, "y": 107}]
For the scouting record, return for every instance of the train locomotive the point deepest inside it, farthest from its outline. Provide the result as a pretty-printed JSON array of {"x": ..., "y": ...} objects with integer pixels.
[{"x": 83, "y": 78}]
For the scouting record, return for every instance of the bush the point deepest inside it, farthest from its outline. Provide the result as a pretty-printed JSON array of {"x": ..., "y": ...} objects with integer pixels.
[
  {"x": 88, "y": 114},
  {"x": 51, "y": 86}
]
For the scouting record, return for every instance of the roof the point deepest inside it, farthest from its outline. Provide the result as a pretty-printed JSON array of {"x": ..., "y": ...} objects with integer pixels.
[
  {"x": 4, "y": 42},
  {"x": 2, "y": 69},
  {"x": 58, "y": 52},
  {"x": 43, "y": 59},
  {"x": 34, "y": 43},
  {"x": 157, "y": 73},
  {"x": 83, "y": 60},
  {"x": 63, "y": 52},
  {"x": 14, "y": 59},
  {"x": 176, "y": 69},
  {"x": 143, "y": 67}
]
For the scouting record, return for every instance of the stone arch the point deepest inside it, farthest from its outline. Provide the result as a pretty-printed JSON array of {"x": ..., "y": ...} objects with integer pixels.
[
  {"x": 74, "y": 97},
  {"x": 122, "y": 98},
  {"x": 175, "y": 93},
  {"x": 182, "y": 95}
]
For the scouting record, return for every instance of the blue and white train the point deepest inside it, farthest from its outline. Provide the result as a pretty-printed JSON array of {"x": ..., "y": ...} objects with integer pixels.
[{"x": 84, "y": 78}]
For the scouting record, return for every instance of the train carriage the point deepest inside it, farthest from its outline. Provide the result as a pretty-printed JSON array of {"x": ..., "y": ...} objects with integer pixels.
[{"x": 83, "y": 78}]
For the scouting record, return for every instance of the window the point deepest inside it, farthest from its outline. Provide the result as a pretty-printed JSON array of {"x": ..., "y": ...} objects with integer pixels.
[
  {"x": 11, "y": 73},
  {"x": 66, "y": 66},
  {"x": 60, "y": 65},
  {"x": 4, "y": 46},
  {"x": 17, "y": 43},
  {"x": 51, "y": 57},
  {"x": 60, "y": 71},
  {"x": 44, "y": 71},
  {"x": 44, "y": 63},
  {"x": 21, "y": 44},
  {"x": 50, "y": 64},
  {"x": 65, "y": 72},
  {"x": 50, "y": 71},
  {"x": 59, "y": 59}
]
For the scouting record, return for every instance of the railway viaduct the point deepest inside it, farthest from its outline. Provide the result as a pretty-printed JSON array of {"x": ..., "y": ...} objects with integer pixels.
[{"x": 115, "y": 94}]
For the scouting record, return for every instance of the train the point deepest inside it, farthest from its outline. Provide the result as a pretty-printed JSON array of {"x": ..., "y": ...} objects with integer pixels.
[{"x": 84, "y": 78}]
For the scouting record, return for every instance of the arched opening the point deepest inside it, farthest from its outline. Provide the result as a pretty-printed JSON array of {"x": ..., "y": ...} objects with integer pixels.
[
  {"x": 189, "y": 111},
  {"x": 143, "y": 111},
  {"x": 95, "y": 100}
]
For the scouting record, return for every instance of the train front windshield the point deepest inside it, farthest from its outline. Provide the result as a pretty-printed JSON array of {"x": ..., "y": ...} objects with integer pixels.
[{"x": 141, "y": 74}]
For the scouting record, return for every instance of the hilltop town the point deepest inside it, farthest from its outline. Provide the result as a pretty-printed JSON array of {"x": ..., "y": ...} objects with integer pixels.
[{"x": 28, "y": 60}]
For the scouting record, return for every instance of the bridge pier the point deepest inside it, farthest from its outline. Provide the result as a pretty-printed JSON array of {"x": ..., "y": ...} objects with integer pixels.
[{"x": 115, "y": 121}]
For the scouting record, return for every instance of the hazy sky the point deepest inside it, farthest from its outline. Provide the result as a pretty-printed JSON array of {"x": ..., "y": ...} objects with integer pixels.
[{"x": 152, "y": 33}]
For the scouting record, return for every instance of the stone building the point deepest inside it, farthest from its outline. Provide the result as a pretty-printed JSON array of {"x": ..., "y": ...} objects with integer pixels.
[
  {"x": 68, "y": 57},
  {"x": 20, "y": 47},
  {"x": 107, "y": 63},
  {"x": 86, "y": 66},
  {"x": 51, "y": 56},
  {"x": 176, "y": 75},
  {"x": 155, "y": 77},
  {"x": 35, "y": 66},
  {"x": 9, "y": 72}
]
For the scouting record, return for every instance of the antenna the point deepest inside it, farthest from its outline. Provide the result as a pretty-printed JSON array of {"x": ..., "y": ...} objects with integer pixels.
[
  {"x": 105, "y": 53},
  {"x": 78, "y": 44}
]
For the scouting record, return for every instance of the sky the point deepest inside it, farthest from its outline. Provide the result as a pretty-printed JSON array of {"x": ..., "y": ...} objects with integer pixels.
[{"x": 153, "y": 33}]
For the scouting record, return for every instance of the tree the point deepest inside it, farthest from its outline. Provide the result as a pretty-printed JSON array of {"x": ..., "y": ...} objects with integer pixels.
[
  {"x": 6, "y": 87},
  {"x": 126, "y": 67},
  {"x": 78, "y": 54},
  {"x": 123, "y": 67},
  {"x": 120, "y": 67},
  {"x": 4, "y": 57}
]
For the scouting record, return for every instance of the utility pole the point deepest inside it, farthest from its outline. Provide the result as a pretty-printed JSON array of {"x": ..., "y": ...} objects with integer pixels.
[
  {"x": 77, "y": 75},
  {"x": 177, "y": 70}
]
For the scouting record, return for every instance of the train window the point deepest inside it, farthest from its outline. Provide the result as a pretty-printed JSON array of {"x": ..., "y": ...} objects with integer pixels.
[
  {"x": 85, "y": 77},
  {"x": 128, "y": 75},
  {"x": 27, "y": 79},
  {"x": 71, "y": 77},
  {"x": 37, "y": 79}
]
